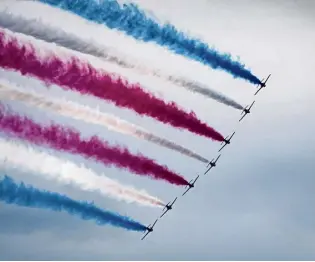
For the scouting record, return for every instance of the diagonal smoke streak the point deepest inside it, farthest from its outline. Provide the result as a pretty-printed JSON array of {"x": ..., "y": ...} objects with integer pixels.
[
  {"x": 71, "y": 72},
  {"x": 70, "y": 140},
  {"x": 133, "y": 21},
  {"x": 45, "y": 32},
  {"x": 66, "y": 172},
  {"x": 201, "y": 89},
  {"x": 90, "y": 115},
  {"x": 28, "y": 196}
]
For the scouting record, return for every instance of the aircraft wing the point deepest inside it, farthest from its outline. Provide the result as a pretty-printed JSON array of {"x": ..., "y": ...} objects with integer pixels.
[
  {"x": 217, "y": 158},
  {"x": 145, "y": 235},
  {"x": 208, "y": 170},
  {"x": 257, "y": 91},
  {"x": 252, "y": 105},
  {"x": 267, "y": 78},
  {"x": 242, "y": 118},
  {"x": 154, "y": 223},
  {"x": 164, "y": 213},
  {"x": 174, "y": 201},
  {"x": 186, "y": 191},
  {"x": 222, "y": 147}
]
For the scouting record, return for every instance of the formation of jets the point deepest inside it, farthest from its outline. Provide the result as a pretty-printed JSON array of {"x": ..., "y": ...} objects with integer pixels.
[{"x": 211, "y": 164}]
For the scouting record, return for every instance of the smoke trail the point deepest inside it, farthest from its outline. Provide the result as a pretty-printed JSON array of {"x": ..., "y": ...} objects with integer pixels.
[
  {"x": 131, "y": 20},
  {"x": 77, "y": 75},
  {"x": 28, "y": 196},
  {"x": 199, "y": 88},
  {"x": 66, "y": 172},
  {"x": 87, "y": 114},
  {"x": 69, "y": 140},
  {"x": 38, "y": 29}
]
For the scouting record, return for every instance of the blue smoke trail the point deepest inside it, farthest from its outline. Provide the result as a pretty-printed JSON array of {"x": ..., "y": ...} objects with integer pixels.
[
  {"x": 129, "y": 19},
  {"x": 28, "y": 196}
]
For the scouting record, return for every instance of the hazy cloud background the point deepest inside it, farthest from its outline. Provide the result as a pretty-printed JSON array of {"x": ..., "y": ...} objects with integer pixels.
[{"x": 258, "y": 204}]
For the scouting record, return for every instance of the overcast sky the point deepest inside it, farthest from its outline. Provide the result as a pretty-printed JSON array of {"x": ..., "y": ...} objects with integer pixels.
[{"x": 258, "y": 204}]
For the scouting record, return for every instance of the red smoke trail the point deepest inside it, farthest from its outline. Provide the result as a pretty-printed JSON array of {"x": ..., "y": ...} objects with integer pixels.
[
  {"x": 69, "y": 140},
  {"x": 81, "y": 76}
]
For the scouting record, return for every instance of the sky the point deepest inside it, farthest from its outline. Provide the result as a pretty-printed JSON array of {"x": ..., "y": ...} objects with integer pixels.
[{"x": 257, "y": 204}]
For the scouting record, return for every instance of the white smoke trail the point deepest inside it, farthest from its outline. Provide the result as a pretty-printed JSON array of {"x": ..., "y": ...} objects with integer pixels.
[
  {"x": 40, "y": 30},
  {"x": 201, "y": 89},
  {"x": 40, "y": 163},
  {"x": 90, "y": 115}
]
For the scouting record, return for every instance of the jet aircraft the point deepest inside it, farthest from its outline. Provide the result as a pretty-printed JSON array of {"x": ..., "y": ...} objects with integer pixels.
[
  {"x": 191, "y": 184},
  {"x": 262, "y": 84},
  {"x": 227, "y": 141},
  {"x": 168, "y": 207},
  {"x": 212, "y": 164},
  {"x": 246, "y": 111},
  {"x": 149, "y": 229}
]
